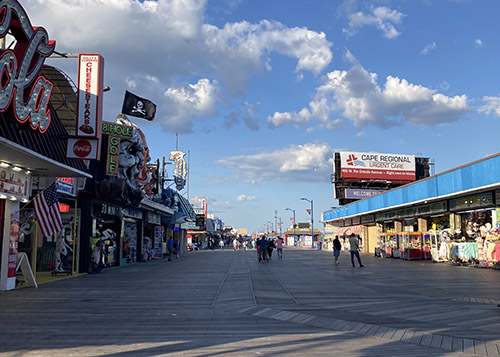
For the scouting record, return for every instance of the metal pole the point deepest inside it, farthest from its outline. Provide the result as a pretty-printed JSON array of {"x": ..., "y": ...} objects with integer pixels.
[
  {"x": 293, "y": 227},
  {"x": 312, "y": 225}
]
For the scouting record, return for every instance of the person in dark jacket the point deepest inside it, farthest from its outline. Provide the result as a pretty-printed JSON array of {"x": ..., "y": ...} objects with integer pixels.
[
  {"x": 336, "y": 249},
  {"x": 270, "y": 246},
  {"x": 263, "y": 249}
]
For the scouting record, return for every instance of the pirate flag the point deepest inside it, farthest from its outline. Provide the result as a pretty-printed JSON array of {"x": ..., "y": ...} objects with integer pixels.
[{"x": 138, "y": 107}]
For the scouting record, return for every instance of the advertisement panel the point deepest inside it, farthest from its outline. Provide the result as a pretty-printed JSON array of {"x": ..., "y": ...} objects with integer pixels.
[
  {"x": 360, "y": 192},
  {"x": 80, "y": 148},
  {"x": 376, "y": 166},
  {"x": 90, "y": 93}
]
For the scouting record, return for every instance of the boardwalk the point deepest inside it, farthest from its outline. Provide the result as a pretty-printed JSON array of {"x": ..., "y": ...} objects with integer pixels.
[{"x": 216, "y": 303}]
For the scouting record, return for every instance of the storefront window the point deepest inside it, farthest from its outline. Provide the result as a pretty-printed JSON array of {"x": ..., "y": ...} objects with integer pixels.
[{"x": 474, "y": 222}]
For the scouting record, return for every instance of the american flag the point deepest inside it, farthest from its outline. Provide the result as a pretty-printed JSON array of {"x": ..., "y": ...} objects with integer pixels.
[{"x": 47, "y": 210}]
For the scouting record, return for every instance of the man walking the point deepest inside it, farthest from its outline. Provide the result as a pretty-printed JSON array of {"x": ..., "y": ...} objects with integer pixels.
[
  {"x": 170, "y": 246},
  {"x": 354, "y": 243},
  {"x": 279, "y": 247}
]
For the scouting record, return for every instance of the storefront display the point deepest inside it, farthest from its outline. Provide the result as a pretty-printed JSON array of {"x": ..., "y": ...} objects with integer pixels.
[{"x": 411, "y": 245}]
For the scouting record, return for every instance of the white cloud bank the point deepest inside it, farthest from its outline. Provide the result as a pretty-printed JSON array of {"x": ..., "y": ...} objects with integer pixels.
[
  {"x": 167, "y": 40},
  {"x": 382, "y": 18},
  {"x": 309, "y": 162},
  {"x": 358, "y": 97},
  {"x": 246, "y": 198}
]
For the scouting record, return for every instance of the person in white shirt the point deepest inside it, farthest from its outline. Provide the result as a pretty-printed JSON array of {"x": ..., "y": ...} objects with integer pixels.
[{"x": 354, "y": 249}]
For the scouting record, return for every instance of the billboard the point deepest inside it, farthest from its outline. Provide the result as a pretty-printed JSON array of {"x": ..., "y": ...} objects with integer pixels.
[{"x": 376, "y": 166}]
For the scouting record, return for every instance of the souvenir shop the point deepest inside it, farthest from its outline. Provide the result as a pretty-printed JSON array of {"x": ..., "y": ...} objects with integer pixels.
[
  {"x": 459, "y": 226},
  {"x": 33, "y": 140}
]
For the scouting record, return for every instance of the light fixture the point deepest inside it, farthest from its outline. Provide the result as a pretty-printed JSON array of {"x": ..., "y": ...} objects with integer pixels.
[
  {"x": 3, "y": 197},
  {"x": 16, "y": 168},
  {"x": 4, "y": 164},
  {"x": 12, "y": 198}
]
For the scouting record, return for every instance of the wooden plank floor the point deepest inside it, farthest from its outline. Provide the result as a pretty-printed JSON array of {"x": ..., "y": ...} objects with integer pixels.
[{"x": 227, "y": 303}]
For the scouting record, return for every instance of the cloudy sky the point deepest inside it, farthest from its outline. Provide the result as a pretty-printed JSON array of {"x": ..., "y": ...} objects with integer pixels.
[{"x": 263, "y": 92}]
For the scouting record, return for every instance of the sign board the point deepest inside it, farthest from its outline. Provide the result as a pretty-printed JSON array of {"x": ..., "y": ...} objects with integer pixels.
[
  {"x": 90, "y": 93},
  {"x": 15, "y": 183},
  {"x": 358, "y": 193},
  {"x": 471, "y": 202},
  {"x": 81, "y": 148},
  {"x": 375, "y": 166},
  {"x": 115, "y": 132},
  {"x": 66, "y": 185},
  {"x": 22, "y": 91}
]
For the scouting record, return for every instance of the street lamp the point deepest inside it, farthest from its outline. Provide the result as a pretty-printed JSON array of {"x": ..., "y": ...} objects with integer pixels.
[
  {"x": 275, "y": 218},
  {"x": 271, "y": 225},
  {"x": 289, "y": 209},
  {"x": 312, "y": 221}
]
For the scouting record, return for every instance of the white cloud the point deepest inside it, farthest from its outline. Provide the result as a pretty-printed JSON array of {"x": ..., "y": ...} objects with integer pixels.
[
  {"x": 478, "y": 42},
  {"x": 309, "y": 162},
  {"x": 358, "y": 97},
  {"x": 428, "y": 48},
  {"x": 492, "y": 106},
  {"x": 189, "y": 101},
  {"x": 158, "y": 44},
  {"x": 381, "y": 17},
  {"x": 246, "y": 198}
]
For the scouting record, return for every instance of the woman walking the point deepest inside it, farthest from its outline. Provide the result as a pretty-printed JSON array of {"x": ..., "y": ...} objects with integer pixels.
[{"x": 336, "y": 249}]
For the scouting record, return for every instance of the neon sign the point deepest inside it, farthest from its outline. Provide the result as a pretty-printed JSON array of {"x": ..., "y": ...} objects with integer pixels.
[{"x": 22, "y": 90}]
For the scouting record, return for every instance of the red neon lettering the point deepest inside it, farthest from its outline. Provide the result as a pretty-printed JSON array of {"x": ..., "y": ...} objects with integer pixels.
[{"x": 32, "y": 47}]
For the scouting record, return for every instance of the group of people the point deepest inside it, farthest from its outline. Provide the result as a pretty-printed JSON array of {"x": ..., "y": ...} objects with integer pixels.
[
  {"x": 353, "y": 249},
  {"x": 266, "y": 246}
]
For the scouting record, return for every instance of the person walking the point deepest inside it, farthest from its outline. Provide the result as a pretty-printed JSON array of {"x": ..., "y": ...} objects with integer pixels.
[
  {"x": 177, "y": 249},
  {"x": 263, "y": 250},
  {"x": 336, "y": 249},
  {"x": 270, "y": 247},
  {"x": 279, "y": 247},
  {"x": 170, "y": 246},
  {"x": 354, "y": 243}
]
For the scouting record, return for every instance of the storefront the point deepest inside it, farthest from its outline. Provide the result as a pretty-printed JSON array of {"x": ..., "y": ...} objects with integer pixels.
[
  {"x": 32, "y": 147},
  {"x": 445, "y": 217}
]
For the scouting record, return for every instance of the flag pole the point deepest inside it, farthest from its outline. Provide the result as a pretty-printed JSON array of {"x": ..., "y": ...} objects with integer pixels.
[
  {"x": 35, "y": 247},
  {"x": 74, "y": 240}
]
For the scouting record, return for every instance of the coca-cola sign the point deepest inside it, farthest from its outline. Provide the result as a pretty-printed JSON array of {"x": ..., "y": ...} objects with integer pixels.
[
  {"x": 22, "y": 90},
  {"x": 79, "y": 148},
  {"x": 82, "y": 148}
]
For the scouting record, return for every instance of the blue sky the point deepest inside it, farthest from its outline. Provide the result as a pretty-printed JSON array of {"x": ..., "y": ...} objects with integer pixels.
[{"x": 263, "y": 92}]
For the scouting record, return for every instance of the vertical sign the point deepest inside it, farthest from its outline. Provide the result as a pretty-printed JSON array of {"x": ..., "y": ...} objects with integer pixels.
[
  {"x": 87, "y": 145},
  {"x": 90, "y": 84}
]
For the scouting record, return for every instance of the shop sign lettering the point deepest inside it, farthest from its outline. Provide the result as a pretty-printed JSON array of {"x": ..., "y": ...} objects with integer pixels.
[
  {"x": 115, "y": 132},
  {"x": 23, "y": 91}
]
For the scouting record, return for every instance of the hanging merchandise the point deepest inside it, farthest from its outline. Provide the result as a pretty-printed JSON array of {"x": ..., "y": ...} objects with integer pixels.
[{"x": 129, "y": 242}]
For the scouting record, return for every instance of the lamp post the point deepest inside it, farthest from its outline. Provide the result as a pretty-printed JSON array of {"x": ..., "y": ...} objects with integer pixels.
[
  {"x": 289, "y": 209},
  {"x": 271, "y": 226},
  {"x": 275, "y": 218},
  {"x": 312, "y": 221}
]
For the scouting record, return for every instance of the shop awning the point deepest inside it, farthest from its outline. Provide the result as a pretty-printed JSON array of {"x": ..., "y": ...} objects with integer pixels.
[
  {"x": 186, "y": 208},
  {"x": 151, "y": 205},
  {"x": 349, "y": 230}
]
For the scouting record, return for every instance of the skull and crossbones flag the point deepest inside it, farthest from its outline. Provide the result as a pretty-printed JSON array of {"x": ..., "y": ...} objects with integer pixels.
[{"x": 138, "y": 107}]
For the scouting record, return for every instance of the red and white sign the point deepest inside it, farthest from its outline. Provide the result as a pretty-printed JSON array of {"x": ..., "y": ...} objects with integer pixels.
[
  {"x": 90, "y": 93},
  {"x": 80, "y": 148},
  {"x": 375, "y": 166},
  {"x": 20, "y": 68}
]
